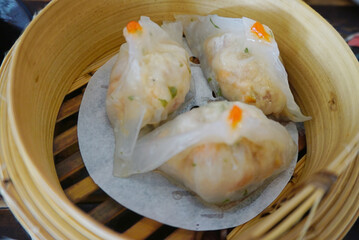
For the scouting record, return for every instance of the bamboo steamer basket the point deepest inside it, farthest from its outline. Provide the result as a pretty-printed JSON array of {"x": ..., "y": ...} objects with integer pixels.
[{"x": 69, "y": 40}]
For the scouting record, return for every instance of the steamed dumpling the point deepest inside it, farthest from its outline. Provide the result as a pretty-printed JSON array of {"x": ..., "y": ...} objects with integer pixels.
[
  {"x": 221, "y": 151},
  {"x": 221, "y": 173},
  {"x": 149, "y": 81},
  {"x": 240, "y": 59}
]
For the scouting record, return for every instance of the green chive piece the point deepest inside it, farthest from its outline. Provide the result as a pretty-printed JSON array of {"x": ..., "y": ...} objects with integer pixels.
[
  {"x": 164, "y": 102},
  {"x": 209, "y": 80},
  {"x": 219, "y": 93},
  {"x": 210, "y": 19},
  {"x": 245, "y": 192},
  {"x": 226, "y": 201},
  {"x": 246, "y": 50},
  {"x": 131, "y": 98},
  {"x": 173, "y": 91},
  {"x": 193, "y": 164}
]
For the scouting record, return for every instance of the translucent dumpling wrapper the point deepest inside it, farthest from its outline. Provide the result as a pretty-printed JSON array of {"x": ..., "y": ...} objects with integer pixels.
[
  {"x": 148, "y": 82},
  {"x": 221, "y": 151},
  {"x": 200, "y": 93},
  {"x": 241, "y": 61}
]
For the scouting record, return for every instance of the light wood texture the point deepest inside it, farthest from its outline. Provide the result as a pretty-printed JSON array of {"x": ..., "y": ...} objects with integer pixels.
[
  {"x": 69, "y": 166},
  {"x": 32, "y": 208},
  {"x": 70, "y": 107},
  {"x": 65, "y": 139},
  {"x": 90, "y": 70},
  {"x": 142, "y": 229},
  {"x": 182, "y": 234},
  {"x": 66, "y": 42},
  {"x": 81, "y": 189},
  {"x": 106, "y": 211}
]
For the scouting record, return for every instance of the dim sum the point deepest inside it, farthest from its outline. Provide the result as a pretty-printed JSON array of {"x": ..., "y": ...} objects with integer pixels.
[
  {"x": 241, "y": 61},
  {"x": 221, "y": 151},
  {"x": 149, "y": 81}
]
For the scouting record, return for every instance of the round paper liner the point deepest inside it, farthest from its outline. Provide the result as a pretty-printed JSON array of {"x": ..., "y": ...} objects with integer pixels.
[{"x": 151, "y": 194}]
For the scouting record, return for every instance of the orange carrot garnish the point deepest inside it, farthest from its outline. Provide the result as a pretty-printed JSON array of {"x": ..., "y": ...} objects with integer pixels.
[
  {"x": 133, "y": 27},
  {"x": 235, "y": 116},
  {"x": 259, "y": 30}
]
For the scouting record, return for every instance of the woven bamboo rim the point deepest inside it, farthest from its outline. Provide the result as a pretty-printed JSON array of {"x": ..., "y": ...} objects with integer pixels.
[{"x": 38, "y": 73}]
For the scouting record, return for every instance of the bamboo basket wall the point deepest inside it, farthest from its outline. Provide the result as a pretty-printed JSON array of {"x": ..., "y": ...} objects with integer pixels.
[{"x": 44, "y": 75}]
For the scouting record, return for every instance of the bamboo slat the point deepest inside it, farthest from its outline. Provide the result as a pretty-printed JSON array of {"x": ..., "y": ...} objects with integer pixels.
[
  {"x": 69, "y": 166},
  {"x": 142, "y": 229},
  {"x": 107, "y": 211},
  {"x": 342, "y": 204},
  {"x": 326, "y": 214},
  {"x": 295, "y": 209},
  {"x": 69, "y": 107},
  {"x": 80, "y": 190},
  {"x": 182, "y": 234},
  {"x": 65, "y": 140}
]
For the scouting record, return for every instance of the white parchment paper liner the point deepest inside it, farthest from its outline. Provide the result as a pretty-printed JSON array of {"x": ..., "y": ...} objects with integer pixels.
[{"x": 151, "y": 194}]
